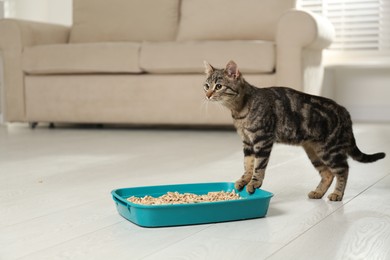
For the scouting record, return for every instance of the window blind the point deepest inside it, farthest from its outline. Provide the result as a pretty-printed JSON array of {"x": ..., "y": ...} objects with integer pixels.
[{"x": 360, "y": 25}]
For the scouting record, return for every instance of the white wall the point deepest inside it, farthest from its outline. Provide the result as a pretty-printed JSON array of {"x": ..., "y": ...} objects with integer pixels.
[{"x": 52, "y": 11}]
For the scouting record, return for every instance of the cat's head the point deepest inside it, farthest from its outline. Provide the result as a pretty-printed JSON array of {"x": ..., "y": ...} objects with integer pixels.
[{"x": 223, "y": 85}]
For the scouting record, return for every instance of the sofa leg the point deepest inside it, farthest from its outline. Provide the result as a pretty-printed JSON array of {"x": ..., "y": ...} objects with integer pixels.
[
  {"x": 33, "y": 125},
  {"x": 51, "y": 125}
]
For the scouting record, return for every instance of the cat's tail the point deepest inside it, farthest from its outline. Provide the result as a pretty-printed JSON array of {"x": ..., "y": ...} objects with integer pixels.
[{"x": 357, "y": 155}]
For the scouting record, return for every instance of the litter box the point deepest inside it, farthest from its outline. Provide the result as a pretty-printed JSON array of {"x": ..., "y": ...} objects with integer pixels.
[{"x": 250, "y": 206}]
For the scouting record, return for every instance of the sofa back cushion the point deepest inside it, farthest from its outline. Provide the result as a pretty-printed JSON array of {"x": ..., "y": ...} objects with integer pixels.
[
  {"x": 257, "y": 57},
  {"x": 124, "y": 20},
  {"x": 231, "y": 19}
]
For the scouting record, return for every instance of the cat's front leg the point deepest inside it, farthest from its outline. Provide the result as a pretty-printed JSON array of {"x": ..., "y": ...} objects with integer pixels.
[
  {"x": 249, "y": 158},
  {"x": 262, "y": 150}
]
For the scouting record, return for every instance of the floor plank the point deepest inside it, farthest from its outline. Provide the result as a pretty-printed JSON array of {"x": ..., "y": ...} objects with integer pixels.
[
  {"x": 358, "y": 230},
  {"x": 55, "y": 197}
]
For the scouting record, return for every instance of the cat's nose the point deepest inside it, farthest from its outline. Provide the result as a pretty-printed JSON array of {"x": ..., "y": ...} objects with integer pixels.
[{"x": 209, "y": 94}]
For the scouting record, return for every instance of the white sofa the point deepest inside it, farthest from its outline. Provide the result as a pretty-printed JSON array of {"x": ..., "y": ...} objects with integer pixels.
[{"x": 141, "y": 61}]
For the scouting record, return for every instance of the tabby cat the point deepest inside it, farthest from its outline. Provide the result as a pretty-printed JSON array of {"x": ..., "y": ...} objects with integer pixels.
[{"x": 263, "y": 116}]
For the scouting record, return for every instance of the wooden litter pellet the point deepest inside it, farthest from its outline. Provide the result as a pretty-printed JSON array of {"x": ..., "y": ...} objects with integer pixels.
[{"x": 185, "y": 198}]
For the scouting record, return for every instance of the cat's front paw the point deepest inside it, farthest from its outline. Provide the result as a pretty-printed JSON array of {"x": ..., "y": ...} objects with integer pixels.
[
  {"x": 315, "y": 195},
  {"x": 253, "y": 185},
  {"x": 240, "y": 184},
  {"x": 335, "y": 196}
]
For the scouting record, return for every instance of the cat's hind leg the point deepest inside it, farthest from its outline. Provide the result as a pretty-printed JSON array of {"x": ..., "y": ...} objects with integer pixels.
[
  {"x": 326, "y": 180},
  {"x": 341, "y": 173},
  {"x": 325, "y": 173},
  {"x": 336, "y": 161}
]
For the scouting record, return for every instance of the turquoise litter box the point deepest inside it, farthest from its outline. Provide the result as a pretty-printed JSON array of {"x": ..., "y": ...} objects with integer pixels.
[{"x": 250, "y": 206}]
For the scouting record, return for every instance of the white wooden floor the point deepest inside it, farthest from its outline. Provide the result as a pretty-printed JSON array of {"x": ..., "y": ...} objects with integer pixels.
[{"x": 55, "y": 200}]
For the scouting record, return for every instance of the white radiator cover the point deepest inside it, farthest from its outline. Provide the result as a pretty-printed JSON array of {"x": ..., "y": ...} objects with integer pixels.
[{"x": 363, "y": 89}]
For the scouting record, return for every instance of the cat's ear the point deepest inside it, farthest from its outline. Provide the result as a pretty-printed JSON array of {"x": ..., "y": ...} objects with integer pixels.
[
  {"x": 232, "y": 70},
  {"x": 208, "y": 69}
]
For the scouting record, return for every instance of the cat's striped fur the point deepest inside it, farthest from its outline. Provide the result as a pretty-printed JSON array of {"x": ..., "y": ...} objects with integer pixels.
[{"x": 263, "y": 116}]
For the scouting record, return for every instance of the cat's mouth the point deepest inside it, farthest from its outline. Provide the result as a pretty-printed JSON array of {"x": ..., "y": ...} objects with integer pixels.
[
  {"x": 212, "y": 96},
  {"x": 213, "y": 99}
]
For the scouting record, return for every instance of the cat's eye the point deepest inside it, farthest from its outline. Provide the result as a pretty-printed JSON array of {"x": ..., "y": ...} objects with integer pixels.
[
  {"x": 206, "y": 87},
  {"x": 218, "y": 87}
]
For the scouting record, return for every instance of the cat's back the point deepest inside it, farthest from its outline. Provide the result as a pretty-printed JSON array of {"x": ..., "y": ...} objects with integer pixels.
[
  {"x": 302, "y": 116},
  {"x": 296, "y": 99}
]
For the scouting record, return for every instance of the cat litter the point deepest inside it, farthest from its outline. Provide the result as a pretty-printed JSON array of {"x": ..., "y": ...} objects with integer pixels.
[
  {"x": 236, "y": 205},
  {"x": 185, "y": 198}
]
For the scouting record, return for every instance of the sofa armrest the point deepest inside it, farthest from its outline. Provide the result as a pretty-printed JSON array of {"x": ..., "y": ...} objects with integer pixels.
[
  {"x": 304, "y": 29},
  {"x": 300, "y": 38},
  {"x": 15, "y": 35},
  {"x": 20, "y": 33}
]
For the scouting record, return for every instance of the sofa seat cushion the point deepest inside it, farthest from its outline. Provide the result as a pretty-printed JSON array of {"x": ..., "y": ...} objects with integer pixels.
[
  {"x": 124, "y": 20},
  {"x": 188, "y": 57},
  {"x": 82, "y": 58}
]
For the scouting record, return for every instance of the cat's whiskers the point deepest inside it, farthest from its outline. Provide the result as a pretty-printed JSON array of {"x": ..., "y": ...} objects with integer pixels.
[
  {"x": 219, "y": 106},
  {"x": 204, "y": 108}
]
